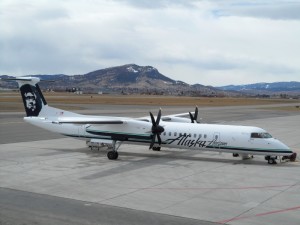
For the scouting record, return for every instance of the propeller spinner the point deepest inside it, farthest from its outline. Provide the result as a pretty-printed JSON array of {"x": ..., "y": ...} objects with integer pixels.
[{"x": 156, "y": 129}]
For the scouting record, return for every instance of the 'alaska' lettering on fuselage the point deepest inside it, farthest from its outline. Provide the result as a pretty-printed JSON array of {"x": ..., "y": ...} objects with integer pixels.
[{"x": 187, "y": 141}]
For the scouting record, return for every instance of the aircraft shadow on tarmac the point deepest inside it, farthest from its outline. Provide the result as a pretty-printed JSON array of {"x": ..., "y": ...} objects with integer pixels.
[{"x": 165, "y": 157}]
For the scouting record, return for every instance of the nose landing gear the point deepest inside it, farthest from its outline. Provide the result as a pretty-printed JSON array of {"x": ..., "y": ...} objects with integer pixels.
[{"x": 271, "y": 159}]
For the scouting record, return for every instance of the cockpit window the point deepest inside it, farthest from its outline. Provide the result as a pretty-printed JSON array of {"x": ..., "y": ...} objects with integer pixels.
[{"x": 261, "y": 135}]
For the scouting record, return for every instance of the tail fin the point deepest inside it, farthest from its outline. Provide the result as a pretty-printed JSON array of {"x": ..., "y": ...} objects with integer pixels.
[
  {"x": 34, "y": 102},
  {"x": 32, "y": 96}
]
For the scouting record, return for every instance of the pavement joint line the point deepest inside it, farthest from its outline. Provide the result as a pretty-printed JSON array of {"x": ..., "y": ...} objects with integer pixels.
[
  {"x": 240, "y": 216},
  {"x": 259, "y": 214},
  {"x": 225, "y": 188}
]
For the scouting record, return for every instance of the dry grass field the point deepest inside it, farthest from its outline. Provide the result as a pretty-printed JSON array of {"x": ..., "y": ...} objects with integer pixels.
[{"x": 11, "y": 101}]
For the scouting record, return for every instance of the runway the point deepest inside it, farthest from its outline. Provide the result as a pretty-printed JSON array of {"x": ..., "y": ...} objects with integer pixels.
[{"x": 49, "y": 179}]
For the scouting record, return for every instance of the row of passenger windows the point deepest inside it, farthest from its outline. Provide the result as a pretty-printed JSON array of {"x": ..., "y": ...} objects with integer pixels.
[{"x": 184, "y": 134}]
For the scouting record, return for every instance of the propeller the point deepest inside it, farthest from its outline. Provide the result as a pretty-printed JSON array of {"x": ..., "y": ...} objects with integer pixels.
[
  {"x": 195, "y": 116},
  {"x": 156, "y": 129}
]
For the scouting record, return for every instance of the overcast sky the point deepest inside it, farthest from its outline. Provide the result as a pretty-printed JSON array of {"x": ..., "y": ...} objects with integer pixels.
[{"x": 207, "y": 42}]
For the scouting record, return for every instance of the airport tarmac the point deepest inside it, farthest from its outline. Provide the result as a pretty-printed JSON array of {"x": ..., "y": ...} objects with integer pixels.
[{"x": 49, "y": 179}]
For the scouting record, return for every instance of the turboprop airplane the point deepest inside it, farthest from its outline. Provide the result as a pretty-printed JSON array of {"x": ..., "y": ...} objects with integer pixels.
[{"x": 167, "y": 131}]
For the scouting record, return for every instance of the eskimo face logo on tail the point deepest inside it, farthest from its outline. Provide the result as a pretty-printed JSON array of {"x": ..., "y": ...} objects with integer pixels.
[{"x": 31, "y": 100}]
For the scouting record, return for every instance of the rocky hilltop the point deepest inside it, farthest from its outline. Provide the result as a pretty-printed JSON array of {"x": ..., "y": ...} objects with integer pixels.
[
  {"x": 126, "y": 79},
  {"x": 135, "y": 79}
]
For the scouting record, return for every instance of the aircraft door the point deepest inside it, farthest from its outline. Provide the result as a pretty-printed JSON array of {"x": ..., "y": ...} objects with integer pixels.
[{"x": 81, "y": 130}]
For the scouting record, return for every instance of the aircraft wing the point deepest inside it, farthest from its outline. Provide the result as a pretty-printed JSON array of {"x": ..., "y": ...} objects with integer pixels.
[
  {"x": 120, "y": 128},
  {"x": 91, "y": 120},
  {"x": 94, "y": 121},
  {"x": 169, "y": 118},
  {"x": 179, "y": 118},
  {"x": 183, "y": 117}
]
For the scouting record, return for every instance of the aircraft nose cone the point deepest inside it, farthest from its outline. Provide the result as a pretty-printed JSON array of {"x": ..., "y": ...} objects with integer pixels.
[{"x": 283, "y": 146}]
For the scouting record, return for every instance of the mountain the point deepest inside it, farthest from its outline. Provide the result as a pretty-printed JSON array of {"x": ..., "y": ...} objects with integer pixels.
[
  {"x": 132, "y": 78},
  {"x": 265, "y": 88},
  {"x": 129, "y": 78}
]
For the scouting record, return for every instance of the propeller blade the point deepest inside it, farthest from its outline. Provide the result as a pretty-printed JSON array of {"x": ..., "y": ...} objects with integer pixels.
[
  {"x": 158, "y": 117},
  {"x": 159, "y": 139},
  {"x": 192, "y": 117},
  {"x": 196, "y": 114},
  {"x": 152, "y": 119},
  {"x": 152, "y": 142},
  {"x": 156, "y": 129}
]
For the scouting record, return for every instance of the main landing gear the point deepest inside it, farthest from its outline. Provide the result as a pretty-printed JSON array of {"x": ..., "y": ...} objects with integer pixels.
[
  {"x": 156, "y": 148},
  {"x": 113, "y": 154}
]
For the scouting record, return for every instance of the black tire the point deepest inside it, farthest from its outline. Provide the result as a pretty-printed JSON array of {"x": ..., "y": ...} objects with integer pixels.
[
  {"x": 271, "y": 161},
  {"x": 112, "y": 155},
  {"x": 156, "y": 148}
]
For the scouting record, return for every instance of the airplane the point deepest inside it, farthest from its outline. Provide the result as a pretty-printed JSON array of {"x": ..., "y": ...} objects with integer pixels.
[{"x": 161, "y": 131}]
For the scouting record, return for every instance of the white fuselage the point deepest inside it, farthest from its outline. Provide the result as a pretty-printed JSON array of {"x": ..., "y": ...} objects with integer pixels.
[{"x": 205, "y": 137}]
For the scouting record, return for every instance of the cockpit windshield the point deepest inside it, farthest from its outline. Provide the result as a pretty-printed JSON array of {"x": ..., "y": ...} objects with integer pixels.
[{"x": 261, "y": 135}]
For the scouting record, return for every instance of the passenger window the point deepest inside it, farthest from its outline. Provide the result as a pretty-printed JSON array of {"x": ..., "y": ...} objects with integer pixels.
[
  {"x": 205, "y": 136},
  {"x": 175, "y": 134},
  {"x": 164, "y": 133},
  {"x": 200, "y": 135},
  {"x": 195, "y": 135},
  {"x": 170, "y": 133}
]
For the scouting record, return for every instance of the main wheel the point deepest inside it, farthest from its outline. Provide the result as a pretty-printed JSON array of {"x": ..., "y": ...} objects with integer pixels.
[
  {"x": 271, "y": 161},
  {"x": 156, "y": 148},
  {"x": 112, "y": 155}
]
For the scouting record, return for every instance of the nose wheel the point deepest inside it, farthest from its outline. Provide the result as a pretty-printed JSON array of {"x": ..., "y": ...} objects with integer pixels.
[{"x": 271, "y": 159}]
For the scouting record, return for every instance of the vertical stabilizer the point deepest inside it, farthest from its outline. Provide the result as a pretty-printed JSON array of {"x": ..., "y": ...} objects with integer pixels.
[
  {"x": 34, "y": 102},
  {"x": 32, "y": 96}
]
